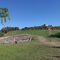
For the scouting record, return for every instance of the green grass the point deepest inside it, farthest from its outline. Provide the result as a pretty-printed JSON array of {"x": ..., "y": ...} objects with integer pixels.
[
  {"x": 35, "y": 32},
  {"x": 32, "y": 32},
  {"x": 34, "y": 50},
  {"x": 27, "y": 51},
  {"x": 55, "y": 38}
]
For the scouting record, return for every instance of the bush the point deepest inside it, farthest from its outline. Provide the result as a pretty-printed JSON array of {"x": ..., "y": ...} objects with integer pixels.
[
  {"x": 55, "y": 35},
  {"x": 1, "y": 34},
  {"x": 4, "y": 30},
  {"x": 7, "y": 29}
]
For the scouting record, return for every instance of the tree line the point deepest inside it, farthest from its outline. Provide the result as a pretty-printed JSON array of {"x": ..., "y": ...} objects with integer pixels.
[
  {"x": 7, "y": 29},
  {"x": 42, "y": 28}
]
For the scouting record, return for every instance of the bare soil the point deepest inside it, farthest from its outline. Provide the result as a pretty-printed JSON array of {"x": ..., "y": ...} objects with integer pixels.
[{"x": 45, "y": 41}]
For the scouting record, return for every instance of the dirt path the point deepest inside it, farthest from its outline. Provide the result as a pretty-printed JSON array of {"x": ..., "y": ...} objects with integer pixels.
[
  {"x": 3, "y": 37},
  {"x": 45, "y": 41}
]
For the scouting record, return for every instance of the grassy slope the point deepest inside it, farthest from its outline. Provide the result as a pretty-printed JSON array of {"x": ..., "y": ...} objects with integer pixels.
[
  {"x": 33, "y": 32},
  {"x": 36, "y": 32},
  {"x": 33, "y": 50},
  {"x": 55, "y": 38}
]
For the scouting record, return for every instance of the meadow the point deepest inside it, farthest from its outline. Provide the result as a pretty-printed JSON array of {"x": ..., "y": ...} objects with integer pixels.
[
  {"x": 43, "y": 33},
  {"x": 33, "y": 50}
]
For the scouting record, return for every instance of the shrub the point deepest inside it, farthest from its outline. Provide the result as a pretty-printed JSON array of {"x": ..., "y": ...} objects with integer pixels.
[
  {"x": 55, "y": 35},
  {"x": 7, "y": 29},
  {"x": 4, "y": 30},
  {"x": 1, "y": 34}
]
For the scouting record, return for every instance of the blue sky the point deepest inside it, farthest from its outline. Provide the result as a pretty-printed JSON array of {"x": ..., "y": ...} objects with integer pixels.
[{"x": 27, "y": 13}]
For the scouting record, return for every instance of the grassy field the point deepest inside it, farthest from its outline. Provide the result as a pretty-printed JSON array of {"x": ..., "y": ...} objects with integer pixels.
[
  {"x": 33, "y": 50},
  {"x": 32, "y": 32},
  {"x": 36, "y": 32}
]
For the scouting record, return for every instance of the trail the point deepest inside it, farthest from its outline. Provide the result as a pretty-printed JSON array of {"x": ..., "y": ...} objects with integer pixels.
[
  {"x": 3, "y": 37},
  {"x": 42, "y": 40},
  {"x": 45, "y": 41}
]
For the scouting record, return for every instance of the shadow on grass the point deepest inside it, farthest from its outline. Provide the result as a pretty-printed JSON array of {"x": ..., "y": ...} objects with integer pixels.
[
  {"x": 56, "y": 56},
  {"x": 55, "y": 47},
  {"x": 57, "y": 35}
]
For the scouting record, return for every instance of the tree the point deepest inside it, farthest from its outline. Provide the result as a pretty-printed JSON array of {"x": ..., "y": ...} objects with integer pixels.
[
  {"x": 4, "y": 30},
  {"x": 16, "y": 28},
  {"x": 3, "y": 14}
]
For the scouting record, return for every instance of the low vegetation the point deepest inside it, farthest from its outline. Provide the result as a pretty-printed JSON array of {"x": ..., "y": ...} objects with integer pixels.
[
  {"x": 1, "y": 34},
  {"x": 43, "y": 33},
  {"x": 33, "y": 50},
  {"x": 7, "y": 29}
]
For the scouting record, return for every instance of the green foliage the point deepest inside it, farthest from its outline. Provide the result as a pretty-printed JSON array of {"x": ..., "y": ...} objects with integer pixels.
[
  {"x": 4, "y": 30},
  {"x": 3, "y": 14},
  {"x": 1, "y": 34},
  {"x": 7, "y": 29},
  {"x": 42, "y": 28},
  {"x": 16, "y": 28}
]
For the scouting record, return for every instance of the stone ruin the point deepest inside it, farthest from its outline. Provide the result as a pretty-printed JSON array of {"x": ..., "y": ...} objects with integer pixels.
[{"x": 20, "y": 38}]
